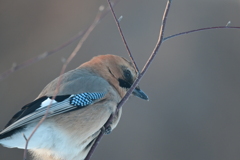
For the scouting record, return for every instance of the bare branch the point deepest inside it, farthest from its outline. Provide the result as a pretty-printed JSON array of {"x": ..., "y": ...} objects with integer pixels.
[
  {"x": 73, "y": 54},
  {"x": 44, "y": 55},
  {"x": 121, "y": 33},
  {"x": 125, "y": 98},
  {"x": 198, "y": 30}
]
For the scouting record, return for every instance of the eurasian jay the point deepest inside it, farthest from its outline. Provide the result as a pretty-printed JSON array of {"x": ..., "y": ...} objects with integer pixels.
[{"x": 87, "y": 96}]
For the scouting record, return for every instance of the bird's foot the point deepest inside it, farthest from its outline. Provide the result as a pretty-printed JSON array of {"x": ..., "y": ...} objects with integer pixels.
[{"x": 107, "y": 130}]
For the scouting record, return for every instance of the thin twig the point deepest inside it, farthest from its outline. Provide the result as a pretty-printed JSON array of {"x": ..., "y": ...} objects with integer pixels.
[
  {"x": 24, "y": 137},
  {"x": 125, "y": 98},
  {"x": 44, "y": 55},
  {"x": 198, "y": 30},
  {"x": 123, "y": 38},
  {"x": 73, "y": 54}
]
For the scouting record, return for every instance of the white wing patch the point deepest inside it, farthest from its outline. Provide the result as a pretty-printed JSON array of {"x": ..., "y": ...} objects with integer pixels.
[{"x": 46, "y": 103}]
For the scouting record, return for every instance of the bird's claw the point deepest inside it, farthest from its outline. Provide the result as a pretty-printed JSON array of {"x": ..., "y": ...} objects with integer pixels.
[{"x": 107, "y": 130}]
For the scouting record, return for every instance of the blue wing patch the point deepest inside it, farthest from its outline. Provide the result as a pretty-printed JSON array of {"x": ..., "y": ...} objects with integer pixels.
[{"x": 84, "y": 99}]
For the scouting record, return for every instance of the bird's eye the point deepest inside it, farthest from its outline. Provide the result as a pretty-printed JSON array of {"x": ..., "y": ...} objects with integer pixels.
[{"x": 127, "y": 74}]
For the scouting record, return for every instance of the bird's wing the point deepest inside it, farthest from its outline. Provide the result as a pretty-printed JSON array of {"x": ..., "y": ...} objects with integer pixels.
[
  {"x": 35, "y": 110},
  {"x": 77, "y": 90}
]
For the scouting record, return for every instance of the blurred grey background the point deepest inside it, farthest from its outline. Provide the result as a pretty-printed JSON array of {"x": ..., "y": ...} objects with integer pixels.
[{"x": 193, "y": 83}]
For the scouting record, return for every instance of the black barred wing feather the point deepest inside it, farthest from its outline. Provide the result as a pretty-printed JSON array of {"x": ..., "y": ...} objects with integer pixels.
[
  {"x": 35, "y": 110},
  {"x": 84, "y": 99}
]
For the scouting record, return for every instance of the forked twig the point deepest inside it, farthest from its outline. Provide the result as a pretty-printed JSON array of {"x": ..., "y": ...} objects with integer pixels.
[
  {"x": 44, "y": 55},
  {"x": 84, "y": 35},
  {"x": 73, "y": 54},
  {"x": 125, "y": 98}
]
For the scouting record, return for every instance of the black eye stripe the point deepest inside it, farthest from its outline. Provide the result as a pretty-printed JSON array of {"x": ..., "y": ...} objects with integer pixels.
[{"x": 124, "y": 84}]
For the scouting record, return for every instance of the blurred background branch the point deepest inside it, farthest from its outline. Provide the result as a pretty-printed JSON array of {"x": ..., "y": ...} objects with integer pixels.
[{"x": 15, "y": 67}]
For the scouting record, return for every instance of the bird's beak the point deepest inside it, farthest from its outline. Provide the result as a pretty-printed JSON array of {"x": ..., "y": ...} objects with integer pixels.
[{"x": 139, "y": 93}]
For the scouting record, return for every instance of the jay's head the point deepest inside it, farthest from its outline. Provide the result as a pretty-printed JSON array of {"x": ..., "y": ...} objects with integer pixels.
[{"x": 119, "y": 72}]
